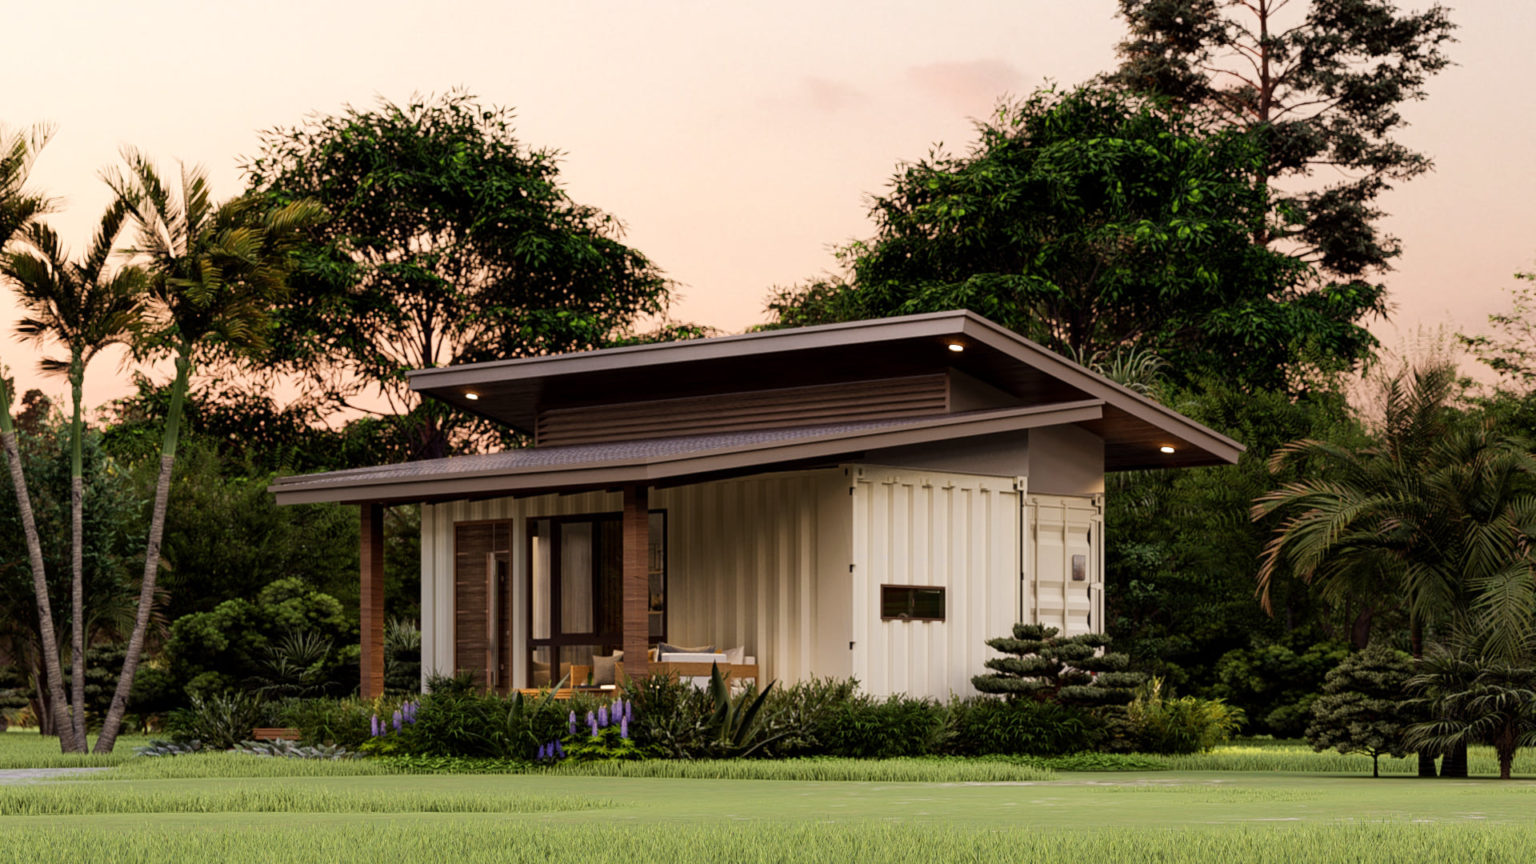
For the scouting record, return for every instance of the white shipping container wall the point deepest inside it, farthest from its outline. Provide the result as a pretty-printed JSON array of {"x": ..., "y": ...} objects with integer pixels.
[
  {"x": 742, "y": 560},
  {"x": 1059, "y": 529},
  {"x": 956, "y": 531}
]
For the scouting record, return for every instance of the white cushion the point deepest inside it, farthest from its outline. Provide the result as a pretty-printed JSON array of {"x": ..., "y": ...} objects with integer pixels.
[{"x": 694, "y": 658}]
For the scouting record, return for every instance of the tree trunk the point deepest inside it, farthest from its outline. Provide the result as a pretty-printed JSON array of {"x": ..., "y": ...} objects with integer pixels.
[
  {"x": 76, "y": 554},
  {"x": 1375, "y": 765},
  {"x": 1360, "y": 629},
  {"x": 114, "y": 719},
  {"x": 1426, "y": 764},
  {"x": 1455, "y": 762},
  {"x": 51, "y": 665}
]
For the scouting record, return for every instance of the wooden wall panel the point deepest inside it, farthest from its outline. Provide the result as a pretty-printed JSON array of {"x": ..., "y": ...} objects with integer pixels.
[{"x": 734, "y": 412}]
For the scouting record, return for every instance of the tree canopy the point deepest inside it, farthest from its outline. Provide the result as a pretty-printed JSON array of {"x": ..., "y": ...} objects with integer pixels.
[
  {"x": 1320, "y": 89},
  {"x": 1092, "y": 222},
  {"x": 449, "y": 242}
]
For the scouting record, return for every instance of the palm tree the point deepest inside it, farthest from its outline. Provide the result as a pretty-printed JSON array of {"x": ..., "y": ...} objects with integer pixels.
[
  {"x": 1474, "y": 697},
  {"x": 86, "y": 307},
  {"x": 213, "y": 274},
  {"x": 19, "y": 208},
  {"x": 1439, "y": 517}
]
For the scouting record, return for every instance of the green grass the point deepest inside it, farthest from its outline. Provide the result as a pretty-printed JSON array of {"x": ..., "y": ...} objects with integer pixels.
[
  {"x": 26, "y": 749},
  {"x": 827, "y": 769},
  {"x": 1161, "y": 816},
  {"x": 473, "y": 841},
  {"x": 81, "y": 799},
  {"x": 241, "y": 765},
  {"x": 1292, "y": 757}
]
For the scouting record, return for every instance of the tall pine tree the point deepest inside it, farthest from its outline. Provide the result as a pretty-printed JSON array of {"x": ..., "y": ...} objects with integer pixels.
[{"x": 1321, "y": 83}]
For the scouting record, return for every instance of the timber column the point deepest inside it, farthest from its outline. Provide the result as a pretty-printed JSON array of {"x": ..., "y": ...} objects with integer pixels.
[
  {"x": 637, "y": 579},
  {"x": 371, "y": 614}
]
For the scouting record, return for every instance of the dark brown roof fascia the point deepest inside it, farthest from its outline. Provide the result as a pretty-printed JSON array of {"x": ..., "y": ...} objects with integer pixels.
[
  {"x": 307, "y": 489},
  {"x": 1114, "y": 395},
  {"x": 691, "y": 351}
]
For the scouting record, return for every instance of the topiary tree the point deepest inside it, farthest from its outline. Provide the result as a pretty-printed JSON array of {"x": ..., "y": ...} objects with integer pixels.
[
  {"x": 1361, "y": 709},
  {"x": 1068, "y": 669}
]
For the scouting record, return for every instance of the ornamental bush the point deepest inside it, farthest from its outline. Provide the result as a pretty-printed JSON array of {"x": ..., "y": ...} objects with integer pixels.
[
  {"x": 1044, "y": 666},
  {"x": 985, "y": 725},
  {"x": 1361, "y": 709}
]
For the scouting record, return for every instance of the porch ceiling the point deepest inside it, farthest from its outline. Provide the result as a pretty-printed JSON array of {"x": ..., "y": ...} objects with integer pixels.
[{"x": 652, "y": 461}]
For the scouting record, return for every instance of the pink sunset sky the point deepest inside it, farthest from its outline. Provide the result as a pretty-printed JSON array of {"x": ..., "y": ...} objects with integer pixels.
[{"x": 739, "y": 142}]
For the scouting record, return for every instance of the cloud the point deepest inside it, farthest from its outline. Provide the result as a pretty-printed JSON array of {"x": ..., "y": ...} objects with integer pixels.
[
  {"x": 970, "y": 87},
  {"x": 830, "y": 96}
]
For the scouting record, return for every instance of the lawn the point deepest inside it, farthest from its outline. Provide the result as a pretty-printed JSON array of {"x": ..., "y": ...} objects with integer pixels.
[{"x": 298, "y": 813}]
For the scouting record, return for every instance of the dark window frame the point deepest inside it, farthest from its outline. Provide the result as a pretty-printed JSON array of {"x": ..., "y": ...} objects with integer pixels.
[{"x": 943, "y": 593}]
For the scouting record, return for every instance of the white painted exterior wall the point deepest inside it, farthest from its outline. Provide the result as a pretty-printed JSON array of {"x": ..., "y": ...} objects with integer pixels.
[
  {"x": 958, "y": 531},
  {"x": 789, "y": 565}
]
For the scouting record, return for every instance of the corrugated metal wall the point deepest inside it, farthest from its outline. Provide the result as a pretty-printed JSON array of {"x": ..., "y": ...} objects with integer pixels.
[
  {"x": 927, "y": 528},
  {"x": 763, "y": 562},
  {"x": 743, "y": 564},
  {"x": 1058, "y": 527}
]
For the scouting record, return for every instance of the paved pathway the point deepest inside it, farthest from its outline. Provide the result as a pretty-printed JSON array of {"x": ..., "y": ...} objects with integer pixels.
[{"x": 13, "y": 776}]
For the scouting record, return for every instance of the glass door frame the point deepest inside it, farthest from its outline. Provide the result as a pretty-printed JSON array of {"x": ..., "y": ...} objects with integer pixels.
[{"x": 558, "y": 639}]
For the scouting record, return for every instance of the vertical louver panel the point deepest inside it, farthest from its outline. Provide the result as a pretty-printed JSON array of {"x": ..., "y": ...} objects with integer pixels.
[
  {"x": 473, "y": 545},
  {"x": 911, "y": 396}
]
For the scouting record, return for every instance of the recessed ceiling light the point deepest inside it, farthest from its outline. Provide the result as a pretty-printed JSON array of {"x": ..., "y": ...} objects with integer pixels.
[
  {"x": 471, "y": 395},
  {"x": 1166, "y": 448},
  {"x": 956, "y": 347}
]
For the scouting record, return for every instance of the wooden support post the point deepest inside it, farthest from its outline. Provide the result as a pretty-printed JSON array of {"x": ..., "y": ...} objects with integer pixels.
[
  {"x": 637, "y": 579},
  {"x": 371, "y": 615}
]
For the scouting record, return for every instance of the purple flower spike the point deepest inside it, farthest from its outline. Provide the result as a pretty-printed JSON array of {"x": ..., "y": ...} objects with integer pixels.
[
  {"x": 543, "y": 752},
  {"x": 573, "y": 723},
  {"x": 559, "y": 750},
  {"x": 397, "y": 719},
  {"x": 623, "y": 727},
  {"x": 602, "y": 716},
  {"x": 374, "y": 726},
  {"x": 629, "y": 710},
  {"x": 594, "y": 726}
]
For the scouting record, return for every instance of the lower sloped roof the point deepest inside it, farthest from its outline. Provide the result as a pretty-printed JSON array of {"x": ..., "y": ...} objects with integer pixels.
[{"x": 587, "y": 466}]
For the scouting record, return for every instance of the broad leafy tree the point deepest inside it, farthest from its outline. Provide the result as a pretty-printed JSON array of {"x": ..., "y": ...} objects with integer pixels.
[
  {"x": 450, "y": 242},
  {"x": 85, "y": 306},
  {"x": 213, "y": 274},
  {"x": 1091, "y": 221},
  {"x": 1320, "y": 85},
  {"x": 19, "y": 207},
  {"x": 1362, "y": 708},
  {"x": 1511, "y": 349}
]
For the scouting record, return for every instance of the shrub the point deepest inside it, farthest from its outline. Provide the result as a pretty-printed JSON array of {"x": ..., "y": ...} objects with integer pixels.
[
  {"x": 1152, "y": 723},
  {"x": 865, "y": 727},
  {"x": 1042, "y": 665},
  {"x": 339, "y": 722},
  {"x": 1361, "y": 709},
  {"x": 801, "y": 714},
  {"x": 219, "y": 720},
  {"x": 671, "y": 717},
  {"x": 402, "y": 657},
  {"x": 1274, "y": 685},
  {"x": 985, "y": 725}
]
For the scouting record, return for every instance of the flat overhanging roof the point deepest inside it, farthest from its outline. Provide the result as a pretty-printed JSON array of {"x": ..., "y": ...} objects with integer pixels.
[
  {"x": 511, "y": 392},
  {"x": 659, "y": 460}
]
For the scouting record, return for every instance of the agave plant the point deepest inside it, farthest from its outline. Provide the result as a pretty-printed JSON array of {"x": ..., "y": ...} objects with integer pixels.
[{"x": 733, "y": 724}]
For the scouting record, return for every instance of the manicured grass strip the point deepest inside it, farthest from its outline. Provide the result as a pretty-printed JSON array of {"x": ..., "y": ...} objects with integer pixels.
[
  {"x": 244, "y": 766},
  {"x": 79, "y": 799},
  {"x": 1481, "y": 761},
  {"x": 27, "y": 749},
  {"x": 827, "y": 769},
  {"x": 471, "y": 841}
]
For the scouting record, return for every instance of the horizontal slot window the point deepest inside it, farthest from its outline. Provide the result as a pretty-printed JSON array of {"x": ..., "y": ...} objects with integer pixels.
[{"x": 911, "y": 603}]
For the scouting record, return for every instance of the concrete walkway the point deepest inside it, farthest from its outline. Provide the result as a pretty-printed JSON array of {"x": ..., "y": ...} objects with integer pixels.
[{"x": 14, "y": 776}]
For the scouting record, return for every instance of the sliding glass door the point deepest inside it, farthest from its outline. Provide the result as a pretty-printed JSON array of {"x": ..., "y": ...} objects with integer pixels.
[{"x": 576, "y": 593}]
